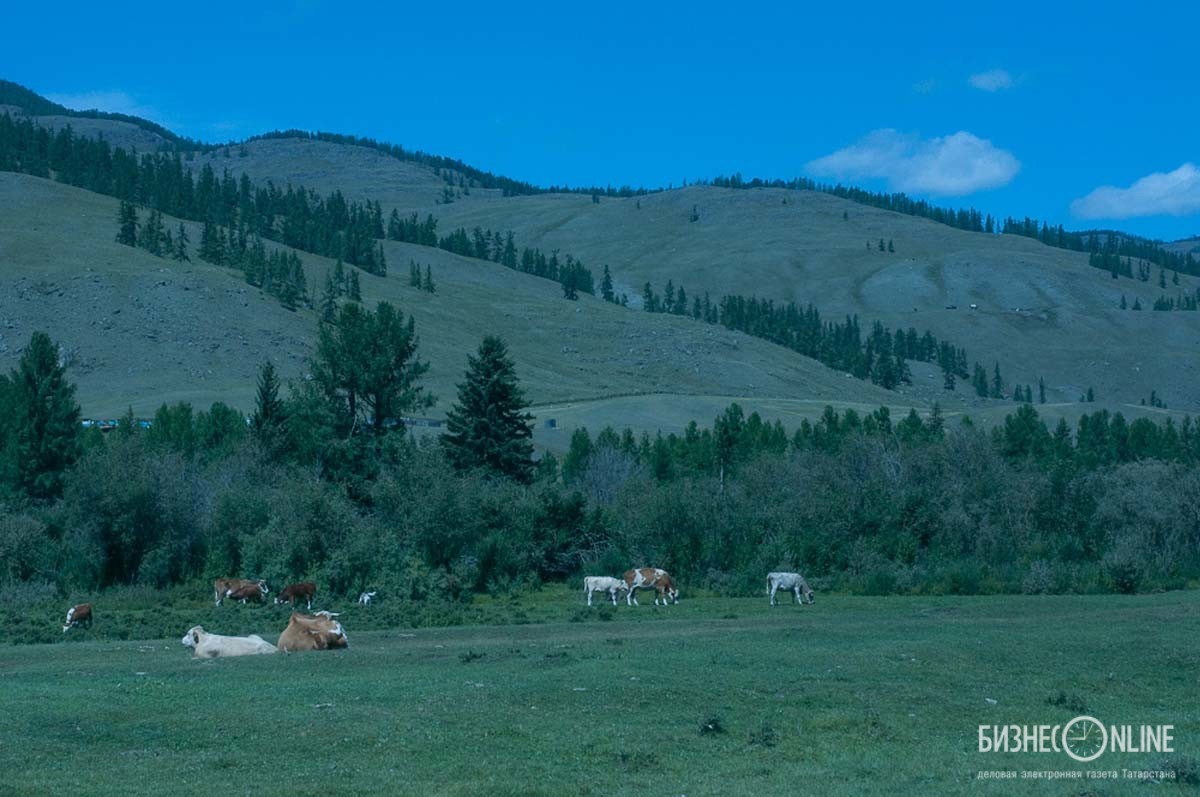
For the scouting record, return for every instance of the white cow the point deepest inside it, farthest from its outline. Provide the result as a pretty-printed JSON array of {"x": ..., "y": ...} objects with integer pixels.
[
  {"x": 209, "y": 646},
  {"x": 365, "y": 598},
  {"x": 602, "y": 584},
  {"x": 792, "y": 582}
]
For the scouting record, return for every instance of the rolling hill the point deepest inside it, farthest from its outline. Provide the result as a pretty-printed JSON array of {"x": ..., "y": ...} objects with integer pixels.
[
  {"x": 139, "y": 330},
  {"x": 1042, "y": 312}
]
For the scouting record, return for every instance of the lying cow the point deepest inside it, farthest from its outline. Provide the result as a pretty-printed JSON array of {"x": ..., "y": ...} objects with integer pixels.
[
  {"x": 313, "y": 632},
  {"x": 365, "y": 598},
  {"x": 223, "y": 586},
  {"x": 602, "y": 584},
  {"x": 293, "y": 592},
  {"x": 210, "y": 646},
  {"x": 80, "y": 614},
  {"x": 790, "y": 582},
  {"x": 650, "y": 578}
]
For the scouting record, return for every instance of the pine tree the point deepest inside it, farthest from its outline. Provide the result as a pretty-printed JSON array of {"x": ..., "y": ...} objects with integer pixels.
[
  {"x": 606, "y": 285},
  {"x": 1123, "y": 305},
  {"x": 882, "y": 247},
  {"x": 979, "y": 381},
  {"x": 45, "y": 419},
  {"x": 569, "y": 288},
  {"x": 947, "y": 379},
  {"x": 997, "y": 383},
  {"x": 488, "y": 427},
  {"x": 270, "y": 415},
  {"x": 127, "y": 218},
  {"x": 327, "y": 306},
  {"x": 150, "y": 237},
  {"x": 427, "y": 284},
  {"x": 414, "y": 274},
  {"x": 339, "y": 276},
  {"x": 354, "y": 289},
  {"x": 1091, "y": 395},
  {"x": 1041, "y": 391},
  {"x": 891, "y": 246},
  {"x": 1137, "y": 303},
  {"x": 181, "y": 244}
]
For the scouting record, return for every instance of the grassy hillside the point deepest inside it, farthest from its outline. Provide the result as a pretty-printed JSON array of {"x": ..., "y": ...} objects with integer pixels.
[
  {"x": 1043, "y": 312},
  {"x": 139, "y": 330},
  {"x": 849, "y": 696}
]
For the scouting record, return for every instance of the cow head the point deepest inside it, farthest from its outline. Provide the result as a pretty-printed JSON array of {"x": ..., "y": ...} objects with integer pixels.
[
  {"x": 262, "y": 586},
  {"x": 192, "y": 638},
  {"x": 673, "y": 594},
  {"x": 808, "y": 594}
]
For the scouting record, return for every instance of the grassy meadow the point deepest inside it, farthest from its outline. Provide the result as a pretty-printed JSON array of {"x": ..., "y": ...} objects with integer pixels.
[{"x": 713, "y": 696}]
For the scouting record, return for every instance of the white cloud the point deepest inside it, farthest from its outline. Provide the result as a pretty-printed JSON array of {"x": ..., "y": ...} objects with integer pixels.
[
  {"x": 1175, "y": 193},
  {"x": 946, "y": 166},
  {"x": 991, "y": 80},
  {"x": 111, "y": 101}
]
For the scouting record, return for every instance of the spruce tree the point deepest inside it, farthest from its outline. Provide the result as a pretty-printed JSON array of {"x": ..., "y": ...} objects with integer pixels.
[
  {"x": 127, "y": 218},
  {"x": 181, "y": 244},
  {"x": 1041, "y": 391},
  {"x": 569, "y": 287},
  {"x": 270, "y": 415},
  {"x": 997, "y": 383},
  {"x": 606, "y": 285},
  {"x": 354, "y": 289},
  {"x": 328, "y": 302},
  {"x": 488, "y": 427},
  {"x": 427, "y": 283},
  {"x": 45, "y": 419}
]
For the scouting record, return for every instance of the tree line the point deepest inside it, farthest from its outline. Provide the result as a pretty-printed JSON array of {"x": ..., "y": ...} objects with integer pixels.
[
  {"x": 880, "y": 355},
  {"x": 324, "y": 483}
]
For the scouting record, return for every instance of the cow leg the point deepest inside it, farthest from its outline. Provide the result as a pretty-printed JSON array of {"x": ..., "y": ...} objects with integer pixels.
[
  {"x": 774, "y": 587},
  {"x": 589, "y": 594},
  {"x": 612, "y": 593},
  {"x": 309, "y": 604},
  {"x": 631, "y": 598},
  {"x": 796, "y": 592}
]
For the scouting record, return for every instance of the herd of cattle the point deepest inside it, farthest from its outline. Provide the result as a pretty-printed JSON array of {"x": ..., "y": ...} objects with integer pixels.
[{"x": 321, "y": 631}]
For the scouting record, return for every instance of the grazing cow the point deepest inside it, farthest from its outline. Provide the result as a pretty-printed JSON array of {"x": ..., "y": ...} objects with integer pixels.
[
  {"x": 292, "y": 592},
  {"x": 602, "y": 584},
  {"x": 365, "y": 598},
  {"x": 80, "y": 614},
  {"x": 313, "y": 632},
  {"x": 250, "y": 592},
  {"x": 647, "y": 578},
  {"x": 791, "y": 582},
  {"x": 210, "y": 646},
  {"x": 222, "y": 587}
]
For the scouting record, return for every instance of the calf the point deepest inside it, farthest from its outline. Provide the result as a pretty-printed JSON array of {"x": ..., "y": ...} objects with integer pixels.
[
  {"x": 313, "y": 632},
  {"x": 252, "y": 592},
  {"x": 602, "y": 584},
  {"x": 292, "y": 592},
  {"x": 210, "y": 646},
  {"x": 791, "y": 582},
  {"x": 80, "y": 614},
  {"x": 650, "y": 577},
  {"x": 223, "y": 586},
  {"x": 365, "y": 598}
]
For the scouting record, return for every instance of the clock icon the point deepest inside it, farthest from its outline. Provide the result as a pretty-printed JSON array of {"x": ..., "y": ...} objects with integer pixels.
[{"x": 1084, "y": 738}]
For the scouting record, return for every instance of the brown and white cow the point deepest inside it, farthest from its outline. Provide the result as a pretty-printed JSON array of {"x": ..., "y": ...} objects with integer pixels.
[
  {"x": 293, "y": 592},
  {"x": 252, "y": 592},
  {"x": 80, "y": 614},
  {"x": 225, "y": 587},
  {"x": 650, "y": 578},
  {"x": 313, "y": 632}
]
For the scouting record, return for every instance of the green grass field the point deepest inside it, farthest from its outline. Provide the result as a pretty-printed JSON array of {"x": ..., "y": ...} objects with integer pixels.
[{"x": 850, "y": 696}]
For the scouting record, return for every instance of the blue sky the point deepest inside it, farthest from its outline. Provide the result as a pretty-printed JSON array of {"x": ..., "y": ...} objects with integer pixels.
[{"x": 1085, "y": 114}]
